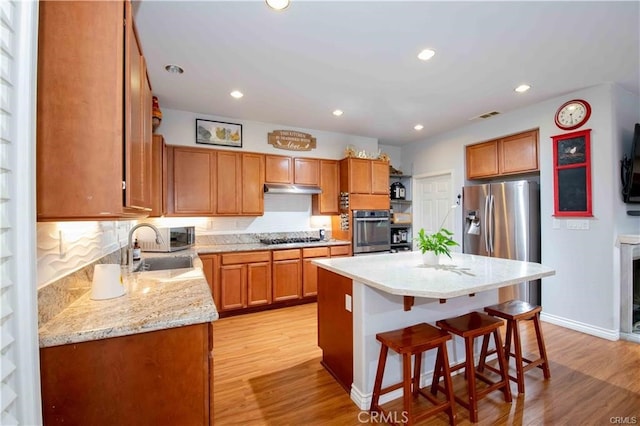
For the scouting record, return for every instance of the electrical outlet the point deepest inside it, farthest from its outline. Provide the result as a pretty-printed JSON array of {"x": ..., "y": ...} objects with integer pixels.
[
  {"x": 347, "y": 302},
  {"x": 577, "y": 224}
]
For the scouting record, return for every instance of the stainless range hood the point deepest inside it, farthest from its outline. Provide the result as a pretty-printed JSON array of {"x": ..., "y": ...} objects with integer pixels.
[{"x": 285, "y": 188}]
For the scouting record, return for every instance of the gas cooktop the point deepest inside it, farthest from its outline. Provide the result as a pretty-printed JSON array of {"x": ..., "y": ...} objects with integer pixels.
[{"x": 290, "y": 240}]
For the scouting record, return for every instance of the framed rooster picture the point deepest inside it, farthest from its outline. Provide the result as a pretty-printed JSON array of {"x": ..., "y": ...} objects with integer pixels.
[{"x": 211, "y": 132}]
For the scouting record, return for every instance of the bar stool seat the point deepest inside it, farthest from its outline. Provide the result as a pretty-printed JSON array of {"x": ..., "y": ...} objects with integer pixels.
[
  {"x": 513, "y": 312},
  {"x": 470, "y": 326},
  {"x": 409, "y": 341}
]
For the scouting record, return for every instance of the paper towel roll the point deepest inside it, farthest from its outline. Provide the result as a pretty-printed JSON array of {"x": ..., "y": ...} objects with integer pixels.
[{"x": 107, "y": 282}]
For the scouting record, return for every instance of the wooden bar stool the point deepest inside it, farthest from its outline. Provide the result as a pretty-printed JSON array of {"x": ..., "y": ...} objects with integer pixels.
[
  {"x": 409, "y": 341},
  {"x": 470, "y": 326},
  {"x": 515, "y": 311}
]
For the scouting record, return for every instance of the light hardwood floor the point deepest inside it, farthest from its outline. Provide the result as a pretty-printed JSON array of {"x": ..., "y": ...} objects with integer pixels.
[{"x": 267, "y": 372}]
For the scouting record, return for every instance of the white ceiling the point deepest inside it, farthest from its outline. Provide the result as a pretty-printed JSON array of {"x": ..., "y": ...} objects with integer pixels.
[{"x": 295, "y": 67}]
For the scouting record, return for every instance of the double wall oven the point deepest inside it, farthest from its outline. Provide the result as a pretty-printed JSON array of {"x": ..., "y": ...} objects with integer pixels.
[{"x": 371, "y": 231}]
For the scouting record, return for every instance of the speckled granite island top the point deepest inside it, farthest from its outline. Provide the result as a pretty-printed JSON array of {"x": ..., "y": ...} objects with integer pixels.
[
  {"x": 154, "y": 300},
  {"x": 404, "y": 273}
]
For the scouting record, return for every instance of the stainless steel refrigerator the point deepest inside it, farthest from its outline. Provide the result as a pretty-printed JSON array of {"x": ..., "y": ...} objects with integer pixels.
[{"x": 503, "y": 220}]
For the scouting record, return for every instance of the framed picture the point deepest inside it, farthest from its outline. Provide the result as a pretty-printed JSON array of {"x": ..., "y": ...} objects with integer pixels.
[
  {"x": 572, "y": 174},
  {"x": 218, "y": 133}
]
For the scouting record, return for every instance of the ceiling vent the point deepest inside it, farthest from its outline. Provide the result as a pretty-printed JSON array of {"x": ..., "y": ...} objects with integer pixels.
[{"x": 485, "y": 115}]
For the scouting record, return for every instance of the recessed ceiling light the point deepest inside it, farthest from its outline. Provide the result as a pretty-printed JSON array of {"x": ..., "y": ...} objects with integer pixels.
[
  {"x": 337, "y": 112},
  {"x": 418, "y": 127},
  {"x": 522, "y": 88},
  {"x": 278, "y": 4},
  {"x": 426, "y": 54},
  {"x": 237, "y": 94},
  {"x": 174, "y": 69}
]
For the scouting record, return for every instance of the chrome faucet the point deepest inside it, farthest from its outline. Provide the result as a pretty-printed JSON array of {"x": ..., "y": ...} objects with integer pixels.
[{"x": 130, "y": 250}]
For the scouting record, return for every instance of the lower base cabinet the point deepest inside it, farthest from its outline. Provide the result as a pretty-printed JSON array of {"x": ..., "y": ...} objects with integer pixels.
[
  {"x": 159, "y": 377},
  {"x": 287, "y": 275}
]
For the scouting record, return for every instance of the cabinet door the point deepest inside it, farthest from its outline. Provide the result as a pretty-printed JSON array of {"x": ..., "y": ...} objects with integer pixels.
[
  {"x": 137, "y": 149},
  {"x": 192, "y": 179},
  {"x": 253, "y": 184},
  {"x": 359, "y": 176},
  {"x": 233, "y": 287},
  {"x": 158, "y": 176},
  {"x": 258, "y": 284},
  {"x": 379, "y": 177},
  {"x": 278, "y": 169},
  {"x": 327, "y": 202},
  {"x": 519, "y": 153},
  {"x": 482, "y": 160},
  {"x": 79, "y": 149},
  {"x": 306, "y": 171},
  {"x": 287, "y": 280},
  {"x": 309, "y": 279},
  {"x": 228, "y": 182}
]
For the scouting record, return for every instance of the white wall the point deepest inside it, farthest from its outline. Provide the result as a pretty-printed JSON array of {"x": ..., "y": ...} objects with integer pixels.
[
  {"x": 179, "y": 128},
  {"x": 582, "y": 294}
]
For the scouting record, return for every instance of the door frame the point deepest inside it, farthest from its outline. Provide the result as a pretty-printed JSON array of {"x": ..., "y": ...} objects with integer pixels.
[{"x": 417, "y": 211}]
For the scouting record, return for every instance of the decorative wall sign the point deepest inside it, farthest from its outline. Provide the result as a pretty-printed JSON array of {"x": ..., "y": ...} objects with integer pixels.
[
  {"x": 292, "y": 140},
  {"x": 218, "y": 133},
  {"x": 572, "y": 174}
]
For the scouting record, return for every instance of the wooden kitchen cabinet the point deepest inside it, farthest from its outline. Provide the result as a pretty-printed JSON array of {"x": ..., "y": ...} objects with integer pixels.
[
  {"x": 93, "y": 151},
  {"x": 306, "y": 171},
  {"x": 310, "y": 271},
  {"x": 245, "y": 280},
  {"x": 326, "y": 203},
  {"x": 287, "y": 275},
  {"x": 278, "y": 169},
  {"x": 228, "y": 182},
  {"x": 158, "y": 377},
  {"x": 363, "y": 176},
  {"x": 191, "y": 181},
  {"x": 252, "y": 194},
  {"x": 158, "y": 177},
  {"x": 505, "y": 156}
]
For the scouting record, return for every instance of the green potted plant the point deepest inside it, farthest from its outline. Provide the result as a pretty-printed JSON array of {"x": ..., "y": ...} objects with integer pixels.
[
  {"x": 433, "y": 245},
  {"x": 436, "y": 244}
]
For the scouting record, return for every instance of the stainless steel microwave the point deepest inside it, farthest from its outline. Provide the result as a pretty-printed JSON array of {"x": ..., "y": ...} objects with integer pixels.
[{"x": 172, "y": 239}]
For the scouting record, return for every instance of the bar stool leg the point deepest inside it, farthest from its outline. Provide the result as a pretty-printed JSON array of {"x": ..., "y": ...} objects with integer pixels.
[
  {"x": 519, "y": 363},
  {"x": 483, "y": 352},
  {"x": 443, "y": 358},
  {"x": 469, "y": 371},
  {"x": 436, "y": 375},
  {"x": 507, "y": 343},
  {"x": 416, "y": 374},
  {"x": 541, "y": 347},
  {"x": 382, "y": 360},
  {"x": 406, "y": 385},
  {"x": 504, "y": 368}
]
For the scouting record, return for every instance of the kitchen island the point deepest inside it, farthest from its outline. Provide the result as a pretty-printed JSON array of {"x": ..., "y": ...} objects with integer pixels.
[{"x": 359, "y": 297}]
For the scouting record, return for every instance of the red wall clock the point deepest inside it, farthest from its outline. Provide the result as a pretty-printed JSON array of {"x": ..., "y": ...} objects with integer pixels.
[{"x": 573, "y": 114}]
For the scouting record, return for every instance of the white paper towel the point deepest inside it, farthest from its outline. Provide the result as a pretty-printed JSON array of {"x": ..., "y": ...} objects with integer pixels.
[{"x": 107, "y": 282}]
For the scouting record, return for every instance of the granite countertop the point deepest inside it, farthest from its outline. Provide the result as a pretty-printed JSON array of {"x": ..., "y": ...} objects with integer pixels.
[
  {"x": 404, "y": 273},
  {"x": 154, "y": 300}
]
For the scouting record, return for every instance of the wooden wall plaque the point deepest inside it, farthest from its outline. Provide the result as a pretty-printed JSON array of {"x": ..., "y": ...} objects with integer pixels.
[{"x": 292, "y": 140}]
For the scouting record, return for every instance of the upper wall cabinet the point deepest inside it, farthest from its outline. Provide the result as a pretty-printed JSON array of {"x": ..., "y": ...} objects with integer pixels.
[
  {"x": 93, "y": 130},
  {"x": 505, "y": 156},
  {"x": 326, "y": 203},
  {"x": 363, "y": 176},
  {"x": 207, "y": 182},
  {"x": 283, "y": 169}
]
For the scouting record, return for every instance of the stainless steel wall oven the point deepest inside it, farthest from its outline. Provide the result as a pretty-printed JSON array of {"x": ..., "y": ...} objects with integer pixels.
[{"x": 371, "y": 231}]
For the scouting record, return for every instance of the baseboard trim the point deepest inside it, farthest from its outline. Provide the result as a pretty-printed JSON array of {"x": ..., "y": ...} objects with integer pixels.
[{"x": 581, "y": 327}]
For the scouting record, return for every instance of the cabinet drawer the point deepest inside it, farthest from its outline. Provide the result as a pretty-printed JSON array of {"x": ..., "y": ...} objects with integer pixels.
[
  {"x": 340, "y": 250},
  {"x": 315, "y": 252},
  {"x": 286, "y": 254},
  {"x": 246, "y": 257}
]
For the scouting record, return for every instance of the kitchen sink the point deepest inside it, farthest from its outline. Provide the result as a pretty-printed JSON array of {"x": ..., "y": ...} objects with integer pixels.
[{"x": 168, "y": 262}]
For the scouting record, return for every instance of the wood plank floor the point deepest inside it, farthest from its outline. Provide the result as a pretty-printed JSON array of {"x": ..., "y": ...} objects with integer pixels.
[{"x": 267, "y": 372}]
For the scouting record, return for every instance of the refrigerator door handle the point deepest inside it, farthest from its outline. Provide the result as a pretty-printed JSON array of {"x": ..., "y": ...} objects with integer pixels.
[
  {"x": 486, "y": 227},
  {"x": 491, "y": 220}
]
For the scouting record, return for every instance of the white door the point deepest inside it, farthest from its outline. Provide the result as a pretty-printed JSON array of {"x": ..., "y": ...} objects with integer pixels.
[{"x": 433, "y": 199}]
